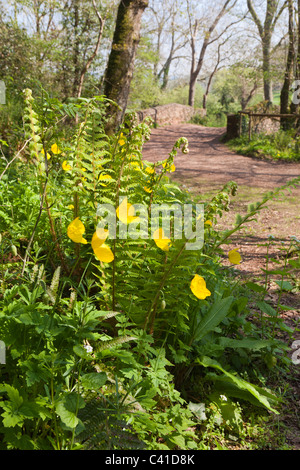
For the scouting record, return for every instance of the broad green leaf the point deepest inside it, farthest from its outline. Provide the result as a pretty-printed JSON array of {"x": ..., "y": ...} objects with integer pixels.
[
  {"x": 67, "y": 409},
  {"x": 14, "y": 396},
  {"x": 247, "y": 343},
  {"x": 94, "y": 380},
  {"x": 178, "y": 440},
  {"x": 255, "y": 287},
  {"x": 239, "y": 382},
  {"x": 285, "y": 285},
  {"x": 213, "y": 317},
  {"x": 266, "y": 308},
  {"x": 11, "y": 416},
  {"x": 82, "y": 352}
]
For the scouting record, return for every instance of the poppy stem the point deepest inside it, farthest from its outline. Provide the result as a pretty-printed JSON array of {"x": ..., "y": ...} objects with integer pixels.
[{"x": 152, "y": 309}]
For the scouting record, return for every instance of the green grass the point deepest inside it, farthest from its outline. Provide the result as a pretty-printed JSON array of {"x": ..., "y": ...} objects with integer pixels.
[{"x": 279, "y": 146}]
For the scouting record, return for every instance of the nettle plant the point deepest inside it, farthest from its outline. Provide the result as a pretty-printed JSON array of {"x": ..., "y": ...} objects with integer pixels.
[{"x": 88, "y": 314}]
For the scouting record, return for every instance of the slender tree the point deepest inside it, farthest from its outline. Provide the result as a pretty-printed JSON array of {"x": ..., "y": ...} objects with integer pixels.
[
  {"x": 295, "y": 105},
  {"x": 121, "y": 60},
  {"x": 266, "y": 30},
  {"x": 92, "y": 57},
  {"x": 197, "y": 64},
  {"x": 285, "y": 90},
  {"x": 165, "y": 25}
]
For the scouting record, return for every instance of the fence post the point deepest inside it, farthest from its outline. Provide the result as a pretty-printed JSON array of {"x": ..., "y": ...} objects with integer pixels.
[
  {"x": 250, "y": 126},
  {"x": 240, "y": 124},
  {"x": 2, "y": 353}
]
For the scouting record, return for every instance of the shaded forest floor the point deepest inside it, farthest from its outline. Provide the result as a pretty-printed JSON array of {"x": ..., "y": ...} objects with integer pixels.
[{"x": 208, "y": 166}]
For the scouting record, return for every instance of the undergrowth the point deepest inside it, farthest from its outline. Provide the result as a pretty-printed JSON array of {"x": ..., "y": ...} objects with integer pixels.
[
  {"x": 125, "y": 340},
  {"x": 283, "y": 145}
]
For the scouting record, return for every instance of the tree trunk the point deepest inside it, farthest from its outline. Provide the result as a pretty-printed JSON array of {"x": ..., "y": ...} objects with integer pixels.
[
  {"x": 295, "y": 105},
  {"x": 268, "y": 83},
  {"x": 192, "y": 88},
  {"x": 120, "y": 66},
  {"x": 266, "y": 31},
  {"x": 284, "y": 96}
]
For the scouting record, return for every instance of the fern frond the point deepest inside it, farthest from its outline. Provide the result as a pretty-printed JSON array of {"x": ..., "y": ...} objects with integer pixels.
[
  {"x": 104, "y": 429},
  {"x": 115, "y": 342}
]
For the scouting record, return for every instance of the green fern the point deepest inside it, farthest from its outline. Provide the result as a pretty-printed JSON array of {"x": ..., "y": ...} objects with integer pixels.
[{"x": 104, "y": 427}]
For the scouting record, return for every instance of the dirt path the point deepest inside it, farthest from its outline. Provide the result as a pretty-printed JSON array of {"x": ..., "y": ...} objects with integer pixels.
[
  {"x": 212, "y": 162},
  {"x": 208, "y": 166}
]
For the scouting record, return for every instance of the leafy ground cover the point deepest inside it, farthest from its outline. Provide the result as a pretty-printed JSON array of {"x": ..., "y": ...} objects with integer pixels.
[
  {"x": 279, "y": 146},
  {"x": 126, "y": 342}
]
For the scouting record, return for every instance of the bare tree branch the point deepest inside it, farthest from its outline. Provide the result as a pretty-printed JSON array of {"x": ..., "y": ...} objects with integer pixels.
[{"x": 95, "y": 52}]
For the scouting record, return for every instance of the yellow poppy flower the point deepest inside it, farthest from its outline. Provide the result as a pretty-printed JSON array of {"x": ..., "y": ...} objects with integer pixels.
[
  {"x": 75, "y": 231},
  {"x": 161, "y": 241},
  {"x": 121, "y": 141},
  {"x": 171, "y": 168},
  {"x": 104, "y": 253},
  {"x": 66, "y": 166},
  {"x": 48, "y": 154},
  {"x": 104, "y": 177},
  {"x": 149, "y": 190},
  {"x": 55, "y": 149},
  {"x": 150, "y": 170},
  {"x": 101, "y": 250},
  {"x": 135, "y": 165},
  {"x": 125, "y": 212},
  {"x": 198, "y": 287},
  {"x": 234, "y": 257},
  {"x": 71, "y": 207},
  {"x": 208, "y": 222},
  {"x": 101, "y": 234}
]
